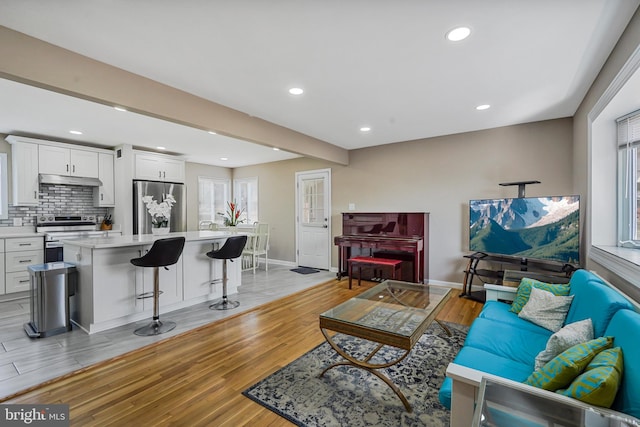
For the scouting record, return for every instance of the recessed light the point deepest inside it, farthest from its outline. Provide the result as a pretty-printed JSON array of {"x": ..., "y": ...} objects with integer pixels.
[
  {"x": 161, "y": 148},
  {"x": 459, "y": 33},
  {"x": 120, "y": 108},
  {"x": 212, "y": 132},
  {"x": 224, "y": 158},
  {"x": 276, "y": 149},
  {"x": 75, "y": 132},
  {"x": 296, "y": 91},
  {"x": 483, "y": 107},
  {"x": 365, "y": 129}
]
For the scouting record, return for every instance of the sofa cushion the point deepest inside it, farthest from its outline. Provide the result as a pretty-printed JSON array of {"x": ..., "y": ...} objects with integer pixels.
[
  {"x": 496, "y": 310},
  {"x": 546, "y": 309},
  {"x": 486, "y": 362},
  {"x": 507, "y": 341},
  {"x": 524, "y": 291},
  {"x": 599, "y": 382},
  {"x": 594, "y": 299},
  {"x": 562, "y": 369},
  {"x": 570, "y": 335},
  {"x": 625, "y": 328}
]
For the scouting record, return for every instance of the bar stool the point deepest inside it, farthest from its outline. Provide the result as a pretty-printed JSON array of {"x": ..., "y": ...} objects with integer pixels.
[
  {"x": 164, "y": 252},
  {"x": 231, "y": 249}
]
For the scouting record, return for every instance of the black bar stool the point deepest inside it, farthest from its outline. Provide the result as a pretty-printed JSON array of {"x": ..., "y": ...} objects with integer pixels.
[
  {"x": 231, "y": 249},
  {"x": 164, "y": 252}
]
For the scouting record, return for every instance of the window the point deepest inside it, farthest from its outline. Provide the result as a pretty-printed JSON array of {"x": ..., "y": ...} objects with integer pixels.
[
  {"x": 213, "y": 195},
  {"x": 245, "y": 193},
  {"x": 4, "y": 204},
  {"x": 628, "y": 179}
]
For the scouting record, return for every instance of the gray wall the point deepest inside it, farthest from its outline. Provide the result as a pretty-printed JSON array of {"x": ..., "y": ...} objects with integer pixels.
[{"x": 436, "y": 175}]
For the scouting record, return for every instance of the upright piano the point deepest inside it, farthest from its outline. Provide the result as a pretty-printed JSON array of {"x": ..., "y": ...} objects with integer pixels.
[{"x": 403, "y": 236}]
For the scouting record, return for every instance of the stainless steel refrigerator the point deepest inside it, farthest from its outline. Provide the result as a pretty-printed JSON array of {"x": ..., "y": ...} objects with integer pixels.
[{"x": 159, "y": 190}]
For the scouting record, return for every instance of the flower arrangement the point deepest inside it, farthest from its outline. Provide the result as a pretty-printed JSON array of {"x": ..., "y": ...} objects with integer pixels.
[
  {"x": 233, "y": 215},
  {"x": 160, "y": 212}
]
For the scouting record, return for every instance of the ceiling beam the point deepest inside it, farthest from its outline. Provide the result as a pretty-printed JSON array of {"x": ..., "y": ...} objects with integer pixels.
[{"x": 32, "y": 61}]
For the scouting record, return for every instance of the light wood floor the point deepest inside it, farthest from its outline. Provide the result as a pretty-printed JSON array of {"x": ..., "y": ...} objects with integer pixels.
[{"x": 196, "y": 378}]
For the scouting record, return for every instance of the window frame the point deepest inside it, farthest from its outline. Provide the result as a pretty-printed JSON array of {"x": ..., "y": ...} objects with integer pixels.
[
  {"x": 217, "y": 212},
  {"x": 250, "y": 208},
  {"x": 628, "y": 204}
]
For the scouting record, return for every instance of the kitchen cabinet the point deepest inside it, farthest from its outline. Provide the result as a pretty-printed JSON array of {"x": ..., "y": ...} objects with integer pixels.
[
  {"x": 21, "y": 252},
  {"x": 65, "y": 161},
  {"x": 2, "y": 281},
  {"x": 105, "y": 196},
  {"x": 24, "y": 167},
  {"x": 156, "y": 167}
]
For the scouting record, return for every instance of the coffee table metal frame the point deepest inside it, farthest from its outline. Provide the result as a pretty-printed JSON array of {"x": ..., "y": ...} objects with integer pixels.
[{"x": 405, "y": 300}]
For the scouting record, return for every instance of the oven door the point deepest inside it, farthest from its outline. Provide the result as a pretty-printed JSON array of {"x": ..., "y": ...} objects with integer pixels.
[{"x": 53, "y": 252}]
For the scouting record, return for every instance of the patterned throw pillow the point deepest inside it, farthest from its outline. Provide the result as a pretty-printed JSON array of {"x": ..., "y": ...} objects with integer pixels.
[
  {"x": 600, "y": 381},
  {"x": 524, "y": 291},
  {"x": 570, "y": 335},
  {"x": 562, "y": 369},
  {"x": 546, "y": 309}
]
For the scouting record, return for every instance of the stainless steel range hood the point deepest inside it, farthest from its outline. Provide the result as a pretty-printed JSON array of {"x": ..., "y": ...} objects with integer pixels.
[{"x": 69, "y": 180}]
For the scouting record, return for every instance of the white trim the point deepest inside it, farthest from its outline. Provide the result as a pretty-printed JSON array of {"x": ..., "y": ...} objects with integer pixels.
[
  {"x": 620, "y": 261},
  {"x": 4, "y": 189}
]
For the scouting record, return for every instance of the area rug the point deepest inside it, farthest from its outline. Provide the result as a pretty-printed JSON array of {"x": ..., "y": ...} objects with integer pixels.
[
  {"x": 305, "y": 270},
  {"x": 348, "y": 396}
]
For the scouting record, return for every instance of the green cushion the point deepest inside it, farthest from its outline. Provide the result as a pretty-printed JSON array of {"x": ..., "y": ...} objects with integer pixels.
[
  {"x": 560, "y": 371},
  {"x": 600, "y": 381},
  {"x": 524, "y": 291}
]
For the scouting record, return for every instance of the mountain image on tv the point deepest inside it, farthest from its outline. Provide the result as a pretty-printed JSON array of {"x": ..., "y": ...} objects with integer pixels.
[{"x": 545, "y": 228}]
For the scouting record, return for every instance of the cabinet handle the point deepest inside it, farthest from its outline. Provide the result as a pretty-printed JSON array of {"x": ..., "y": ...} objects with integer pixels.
[
  {"x": 164, "y": 174},
  {"x": 22, "y": 261},
  {"x": 35, "y": 194},
  {"x": 24, "y": 244},
  {"x": 101, "y": 196},
  {"x": 67, "y": 168},
  {"x": 159, "y": 174},
  {"x": 24, "y": 281},
  {"x": 74, "y": 168}
]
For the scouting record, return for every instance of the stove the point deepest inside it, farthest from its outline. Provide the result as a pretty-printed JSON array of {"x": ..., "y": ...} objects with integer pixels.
[{"x": 57, "y": 228}]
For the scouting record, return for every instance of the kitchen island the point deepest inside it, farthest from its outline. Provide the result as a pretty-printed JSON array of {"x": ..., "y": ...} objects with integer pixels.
[{"x": 109, "y": 285}]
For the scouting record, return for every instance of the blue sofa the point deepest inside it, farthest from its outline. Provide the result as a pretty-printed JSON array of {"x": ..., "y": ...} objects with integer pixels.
[{"x": 500, "y": 343}]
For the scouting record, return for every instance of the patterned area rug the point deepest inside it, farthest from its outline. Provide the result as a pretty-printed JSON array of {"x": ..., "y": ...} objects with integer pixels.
[{"x": 348, "y": 396}]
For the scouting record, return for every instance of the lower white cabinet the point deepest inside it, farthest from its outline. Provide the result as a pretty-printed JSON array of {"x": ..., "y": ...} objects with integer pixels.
[{"x": 20, "y": 253}]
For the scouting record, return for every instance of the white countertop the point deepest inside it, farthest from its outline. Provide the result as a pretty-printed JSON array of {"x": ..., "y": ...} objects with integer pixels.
[
  {"x": 9, "y": 232},
  {"x": 146, "y": 239}
]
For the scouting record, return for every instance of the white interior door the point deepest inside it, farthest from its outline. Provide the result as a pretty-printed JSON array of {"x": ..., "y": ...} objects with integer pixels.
[{"x": 313, "y": 231}]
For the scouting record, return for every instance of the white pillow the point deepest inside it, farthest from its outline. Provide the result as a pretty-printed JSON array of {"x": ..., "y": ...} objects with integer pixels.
[
  {"x": 546, "y": 309},
  {"x": 572, "y": 334}
]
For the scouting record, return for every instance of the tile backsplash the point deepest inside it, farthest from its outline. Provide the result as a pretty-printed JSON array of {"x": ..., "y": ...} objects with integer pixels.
[{"x": 56, "y": 200}]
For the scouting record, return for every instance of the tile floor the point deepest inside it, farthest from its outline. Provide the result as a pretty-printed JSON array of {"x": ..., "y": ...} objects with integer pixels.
[{"x": 25, "y": 362}]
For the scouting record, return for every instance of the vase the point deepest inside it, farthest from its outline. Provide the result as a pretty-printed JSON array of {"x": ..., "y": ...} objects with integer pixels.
[
  {"x": 233, "y": 229},
  {"x": 157, "y": 231}
]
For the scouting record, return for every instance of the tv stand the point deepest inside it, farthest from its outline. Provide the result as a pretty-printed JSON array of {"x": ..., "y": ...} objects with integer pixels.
[{"x": 494, "y": 267}]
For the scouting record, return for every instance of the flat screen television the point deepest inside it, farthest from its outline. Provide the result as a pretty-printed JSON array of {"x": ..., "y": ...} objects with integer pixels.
[{"x": 545, "y": 228}]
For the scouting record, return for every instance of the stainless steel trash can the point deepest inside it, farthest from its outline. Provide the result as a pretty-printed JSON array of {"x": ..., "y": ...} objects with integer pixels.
[{"x": 51, "y": 286}]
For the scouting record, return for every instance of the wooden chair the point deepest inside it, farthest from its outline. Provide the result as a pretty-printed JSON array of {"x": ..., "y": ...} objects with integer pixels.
[{"x": 257, "y": 246}]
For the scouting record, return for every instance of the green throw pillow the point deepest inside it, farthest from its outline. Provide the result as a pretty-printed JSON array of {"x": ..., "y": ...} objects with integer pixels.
[
  {"x": 600, "y": 381},
  {"x": 560, "y": 371},
  {"x": 524, "y": 292}
]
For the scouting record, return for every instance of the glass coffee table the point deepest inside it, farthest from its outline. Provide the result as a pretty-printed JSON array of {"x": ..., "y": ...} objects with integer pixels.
[{"x": 393, "y": 313}]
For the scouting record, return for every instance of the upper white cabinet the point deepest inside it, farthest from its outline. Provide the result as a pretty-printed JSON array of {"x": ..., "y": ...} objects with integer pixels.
[
  {"x": 24, "y": 166},
  {"x": 66, "y": 161},
  {"x": 156, "y": 167},
  {"x": 105, "y": 195}
]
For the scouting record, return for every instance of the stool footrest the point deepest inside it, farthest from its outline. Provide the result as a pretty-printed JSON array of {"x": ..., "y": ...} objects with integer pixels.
[{"x": 148, "y": 295}]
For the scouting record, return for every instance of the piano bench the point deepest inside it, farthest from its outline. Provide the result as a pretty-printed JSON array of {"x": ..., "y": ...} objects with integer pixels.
[{"x": 368, "y": 261}]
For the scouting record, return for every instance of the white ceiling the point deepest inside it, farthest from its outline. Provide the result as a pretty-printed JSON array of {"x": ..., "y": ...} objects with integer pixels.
[{"x": 383, "y": 64}]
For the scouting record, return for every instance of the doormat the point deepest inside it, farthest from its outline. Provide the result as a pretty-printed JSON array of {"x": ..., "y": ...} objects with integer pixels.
[
  {"x": 304, "y": 270},
  {"x": 346, "y": 396}
]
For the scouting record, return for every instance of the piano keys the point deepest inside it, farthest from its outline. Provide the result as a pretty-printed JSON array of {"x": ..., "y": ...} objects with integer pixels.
[{"x": 403, "y": 236}]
